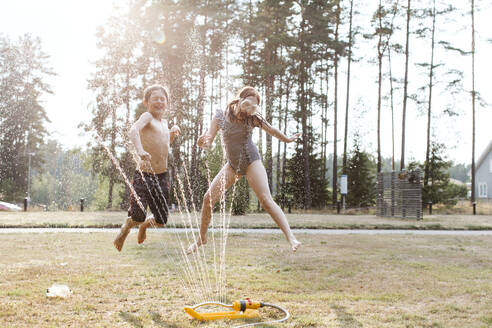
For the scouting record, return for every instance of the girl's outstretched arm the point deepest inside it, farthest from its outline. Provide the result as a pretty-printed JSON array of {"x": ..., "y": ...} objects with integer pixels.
[
  {"x": 206, "y": 139},
  {"x": 274, "y": 132}
]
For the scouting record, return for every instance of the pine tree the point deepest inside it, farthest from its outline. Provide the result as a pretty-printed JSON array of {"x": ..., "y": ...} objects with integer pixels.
[
  {"x": 361, "y": 182},
  {"x": 23, "y": 72},
  {"x": 439, "y": 189}
]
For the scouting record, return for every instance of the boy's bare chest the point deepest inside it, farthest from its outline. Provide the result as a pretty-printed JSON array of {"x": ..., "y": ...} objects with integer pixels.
[{"x": 157, "y": 131}]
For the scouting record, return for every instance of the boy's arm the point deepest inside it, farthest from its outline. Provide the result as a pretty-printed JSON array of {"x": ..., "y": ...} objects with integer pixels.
[
  {"x": 142, "y": 121},
  {"x": 206, "y": 139},
  {"x": 274, "y": 132}
]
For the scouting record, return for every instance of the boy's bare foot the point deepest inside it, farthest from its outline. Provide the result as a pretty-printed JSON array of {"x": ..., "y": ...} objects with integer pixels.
[
  {"x": 194, "y": 247},
  {"x": 295, "y": 245},
  {"x": 142, "y": 233},
  {"x": 125, "y": 230}
]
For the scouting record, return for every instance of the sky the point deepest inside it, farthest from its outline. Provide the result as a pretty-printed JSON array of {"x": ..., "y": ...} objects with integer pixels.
[{"x": 67, "y": 31}]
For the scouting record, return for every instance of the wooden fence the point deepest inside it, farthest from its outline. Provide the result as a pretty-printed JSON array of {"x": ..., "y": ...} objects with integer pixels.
[{"x": 399, "y": 195}]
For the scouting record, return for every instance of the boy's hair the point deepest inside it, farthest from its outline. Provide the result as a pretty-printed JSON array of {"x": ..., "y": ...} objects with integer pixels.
[{"x": 148, "y": 91}]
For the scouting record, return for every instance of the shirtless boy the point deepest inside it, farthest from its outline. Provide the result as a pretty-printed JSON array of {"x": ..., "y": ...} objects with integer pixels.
[{"x": 151, "y": 137}]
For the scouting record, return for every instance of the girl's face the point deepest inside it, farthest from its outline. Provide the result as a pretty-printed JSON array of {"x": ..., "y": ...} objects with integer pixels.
[{"x": 249, "y": 105}]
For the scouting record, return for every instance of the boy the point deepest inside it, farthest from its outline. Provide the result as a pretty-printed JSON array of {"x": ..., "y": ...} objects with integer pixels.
[{"x": 151, "y": 138}]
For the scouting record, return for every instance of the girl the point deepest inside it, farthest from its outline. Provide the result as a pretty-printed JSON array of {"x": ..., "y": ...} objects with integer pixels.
[{"x": 243, "y": 158}]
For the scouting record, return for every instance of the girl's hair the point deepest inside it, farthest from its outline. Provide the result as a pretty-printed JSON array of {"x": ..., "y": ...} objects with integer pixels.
[
  {"x": 148, "y": 91},
  {"x": 253, "y": 120}
]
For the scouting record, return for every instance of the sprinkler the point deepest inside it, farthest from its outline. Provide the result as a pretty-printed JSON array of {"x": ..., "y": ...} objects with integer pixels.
[{"x": 241, "y": 309}]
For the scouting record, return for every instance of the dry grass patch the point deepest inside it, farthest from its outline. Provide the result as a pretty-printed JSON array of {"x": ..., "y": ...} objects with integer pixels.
[{"x": 333, "y": 281}]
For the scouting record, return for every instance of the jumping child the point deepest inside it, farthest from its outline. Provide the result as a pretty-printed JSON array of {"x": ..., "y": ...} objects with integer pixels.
[
  {"x": 243, "y": 158},
  {"x": 151, "y": 137}
]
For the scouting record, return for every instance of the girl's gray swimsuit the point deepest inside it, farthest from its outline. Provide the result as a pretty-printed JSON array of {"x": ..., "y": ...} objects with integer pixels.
[{"x": 239, "y": 146}]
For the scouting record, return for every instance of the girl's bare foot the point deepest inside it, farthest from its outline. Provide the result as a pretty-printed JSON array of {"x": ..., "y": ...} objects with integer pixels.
[
  {"x": 125, "y": 230},
  {"x": 294, "y": 244},
  {"x": 193, "y": 247}
]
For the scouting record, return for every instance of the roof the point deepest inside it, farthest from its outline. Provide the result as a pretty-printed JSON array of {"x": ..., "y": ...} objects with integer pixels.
[
  {"x": 457, "y": 182},
  {"x": 482, "y": 157}
]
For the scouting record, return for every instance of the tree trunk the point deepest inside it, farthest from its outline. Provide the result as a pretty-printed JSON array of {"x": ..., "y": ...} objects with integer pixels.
[
  {"x": 284, "y": 154},
  {"x": 335, "y": 110},
  {"x": 325, "y": 122},
  {"x": 405, "y": 92},
  {"x": 127, "y": 158},
  {"x": 349, "y": 60},
  {"x": 380, "y": 81},
  {"x": 113, "y": 152},
  {"x": 429, "y": 105},
  {"x": 303, "y": 113},
  {"x": 280, "y": 96},
  {"x": 473, "y": 102},
  {"x": 269, "y": 62}
]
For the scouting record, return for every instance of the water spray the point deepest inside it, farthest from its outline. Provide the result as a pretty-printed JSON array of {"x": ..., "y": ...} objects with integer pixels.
[{"x": 244, "y": 309}]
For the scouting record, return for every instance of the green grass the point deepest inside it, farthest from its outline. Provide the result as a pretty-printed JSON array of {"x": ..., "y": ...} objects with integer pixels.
[{"x": 332, "y": 281}]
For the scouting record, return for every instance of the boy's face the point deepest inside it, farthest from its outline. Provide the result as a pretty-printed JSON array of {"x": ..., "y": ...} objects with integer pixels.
[{"x": 157, "y": 102}]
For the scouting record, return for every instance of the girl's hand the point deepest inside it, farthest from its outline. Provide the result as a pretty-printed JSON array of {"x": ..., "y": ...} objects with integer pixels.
[
  {"x": 294, "y": 137},
  {"x": 175, "y": 130},
  {"x": 204, "y": 141}
]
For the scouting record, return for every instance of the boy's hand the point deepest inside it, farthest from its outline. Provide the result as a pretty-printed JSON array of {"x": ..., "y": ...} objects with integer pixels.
[
  {"x": 204, "y": 141},
  {"x": 175, "y": 130},
  {"x": 294, "y": 137},
  {"x": 144, "y": 156}
]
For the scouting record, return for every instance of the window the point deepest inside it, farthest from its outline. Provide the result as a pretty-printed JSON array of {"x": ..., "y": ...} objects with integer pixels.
[{"x": 482, "y": 190}]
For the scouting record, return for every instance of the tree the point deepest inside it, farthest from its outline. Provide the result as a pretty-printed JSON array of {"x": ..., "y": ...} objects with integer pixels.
[
  {"x": 439, "y": 189},
  {"x": 361, "y": 181},
  {"x": 349, "y": 62},
  {"x": 64, "y": 178},
  {"x": 383, "y": 31},
  {"x": 23, "y": 72},
  {"x": 405, "y": 89},
  {"x": 272, "y": 22},
  {"x": 433, "y": 13},
  {"x": 397, "y": 48},
  {"x": 314, "y": 41},
  {"x": 472, "y": 14},
  {"x": 293, "y": 188},
  {"x": 334, "y": 179}
]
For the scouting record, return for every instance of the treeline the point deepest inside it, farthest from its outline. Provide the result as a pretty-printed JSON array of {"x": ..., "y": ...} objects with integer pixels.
[
  {"x": 295, "y": 53},
  {"x": 23, "y": 71}
]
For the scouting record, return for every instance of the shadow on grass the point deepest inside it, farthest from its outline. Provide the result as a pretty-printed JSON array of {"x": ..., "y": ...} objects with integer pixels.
[
  {"x": 135, "y": 321},
  {"x": 345, "y": 319},
  {"x": 157, "y": 318},
  {"x": 131, "y": 319}
]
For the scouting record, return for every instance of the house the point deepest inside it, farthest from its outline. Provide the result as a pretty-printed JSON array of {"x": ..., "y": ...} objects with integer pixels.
[{"x": 483, "y": 175}]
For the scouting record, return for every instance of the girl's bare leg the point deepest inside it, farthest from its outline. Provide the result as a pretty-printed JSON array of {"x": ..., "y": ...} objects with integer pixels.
[
  {"x": 222, "y": 181},
  {"x": 258, "y": 181}
]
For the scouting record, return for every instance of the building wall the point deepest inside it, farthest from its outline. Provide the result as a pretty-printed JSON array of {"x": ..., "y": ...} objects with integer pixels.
[{"x": 483, "y": 178}]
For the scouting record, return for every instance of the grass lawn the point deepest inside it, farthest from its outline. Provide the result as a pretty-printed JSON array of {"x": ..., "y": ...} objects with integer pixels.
[
  {"x": 332, "y": 281},
  {"x": 262, "y": 220}
]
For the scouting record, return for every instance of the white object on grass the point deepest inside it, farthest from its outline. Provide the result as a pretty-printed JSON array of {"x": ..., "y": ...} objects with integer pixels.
[{"x": 57, "y": 290}]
